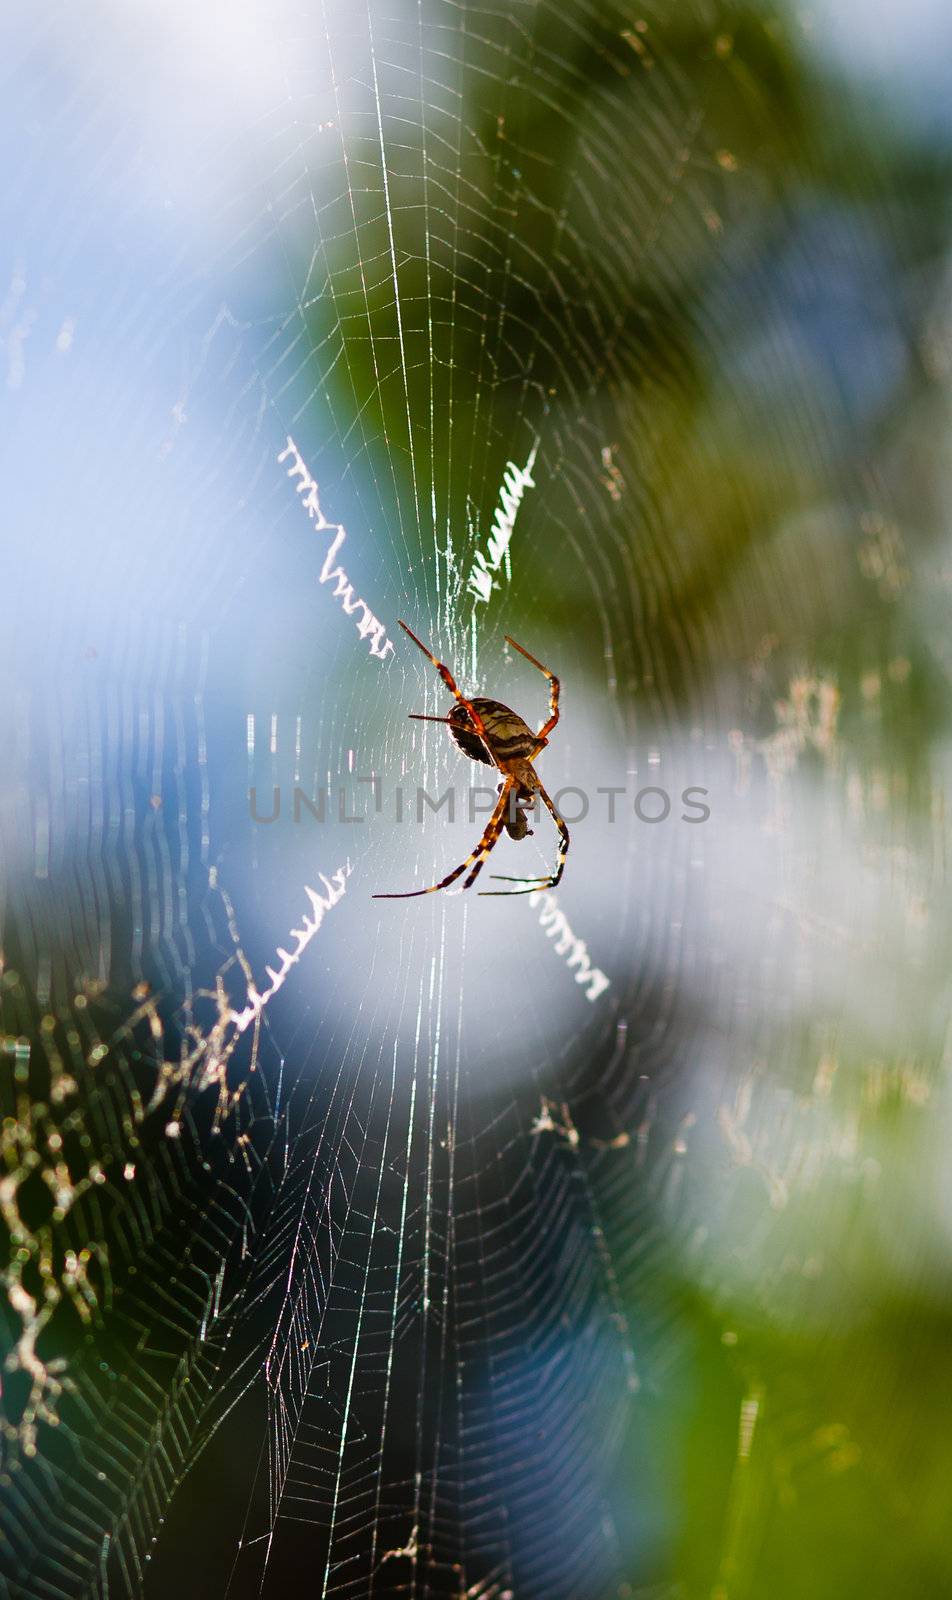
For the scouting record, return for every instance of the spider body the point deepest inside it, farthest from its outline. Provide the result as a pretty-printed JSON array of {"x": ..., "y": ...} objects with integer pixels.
[
  {"x": 512, "y": 743},
  {"x": 490, "y": 732},
  {"x": 508, "y": 737}
]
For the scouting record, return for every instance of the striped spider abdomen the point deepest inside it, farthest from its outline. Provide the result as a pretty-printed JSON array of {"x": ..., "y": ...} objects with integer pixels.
[{"x": 510, "y": 739}]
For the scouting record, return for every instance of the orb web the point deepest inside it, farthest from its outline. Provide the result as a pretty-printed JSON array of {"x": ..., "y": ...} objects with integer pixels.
[{"x": 350, "y": 1223}]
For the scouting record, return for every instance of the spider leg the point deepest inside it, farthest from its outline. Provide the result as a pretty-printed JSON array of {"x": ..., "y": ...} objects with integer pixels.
[
  {"x": 532, "y": 884},
  {"x": 490, "y": 837},
  {"x": 450, "y": 682},
  {"x": 554, "y": 687}
]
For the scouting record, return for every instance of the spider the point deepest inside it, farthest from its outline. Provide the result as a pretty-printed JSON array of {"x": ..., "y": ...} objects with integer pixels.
[{"x": 488, "y": 731}]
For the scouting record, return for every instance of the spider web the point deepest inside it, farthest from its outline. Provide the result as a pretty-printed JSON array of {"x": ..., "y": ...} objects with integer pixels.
[{"x": 339, "y": 1230}]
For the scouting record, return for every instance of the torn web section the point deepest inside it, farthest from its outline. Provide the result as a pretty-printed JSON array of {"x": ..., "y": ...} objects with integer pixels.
[
  {"x": 147, "y": 1116},
  {"x": 154, "y": 1102}
]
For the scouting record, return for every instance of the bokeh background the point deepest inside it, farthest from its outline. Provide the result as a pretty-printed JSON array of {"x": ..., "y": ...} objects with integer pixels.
[{"x": 350, "y": 1248}]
